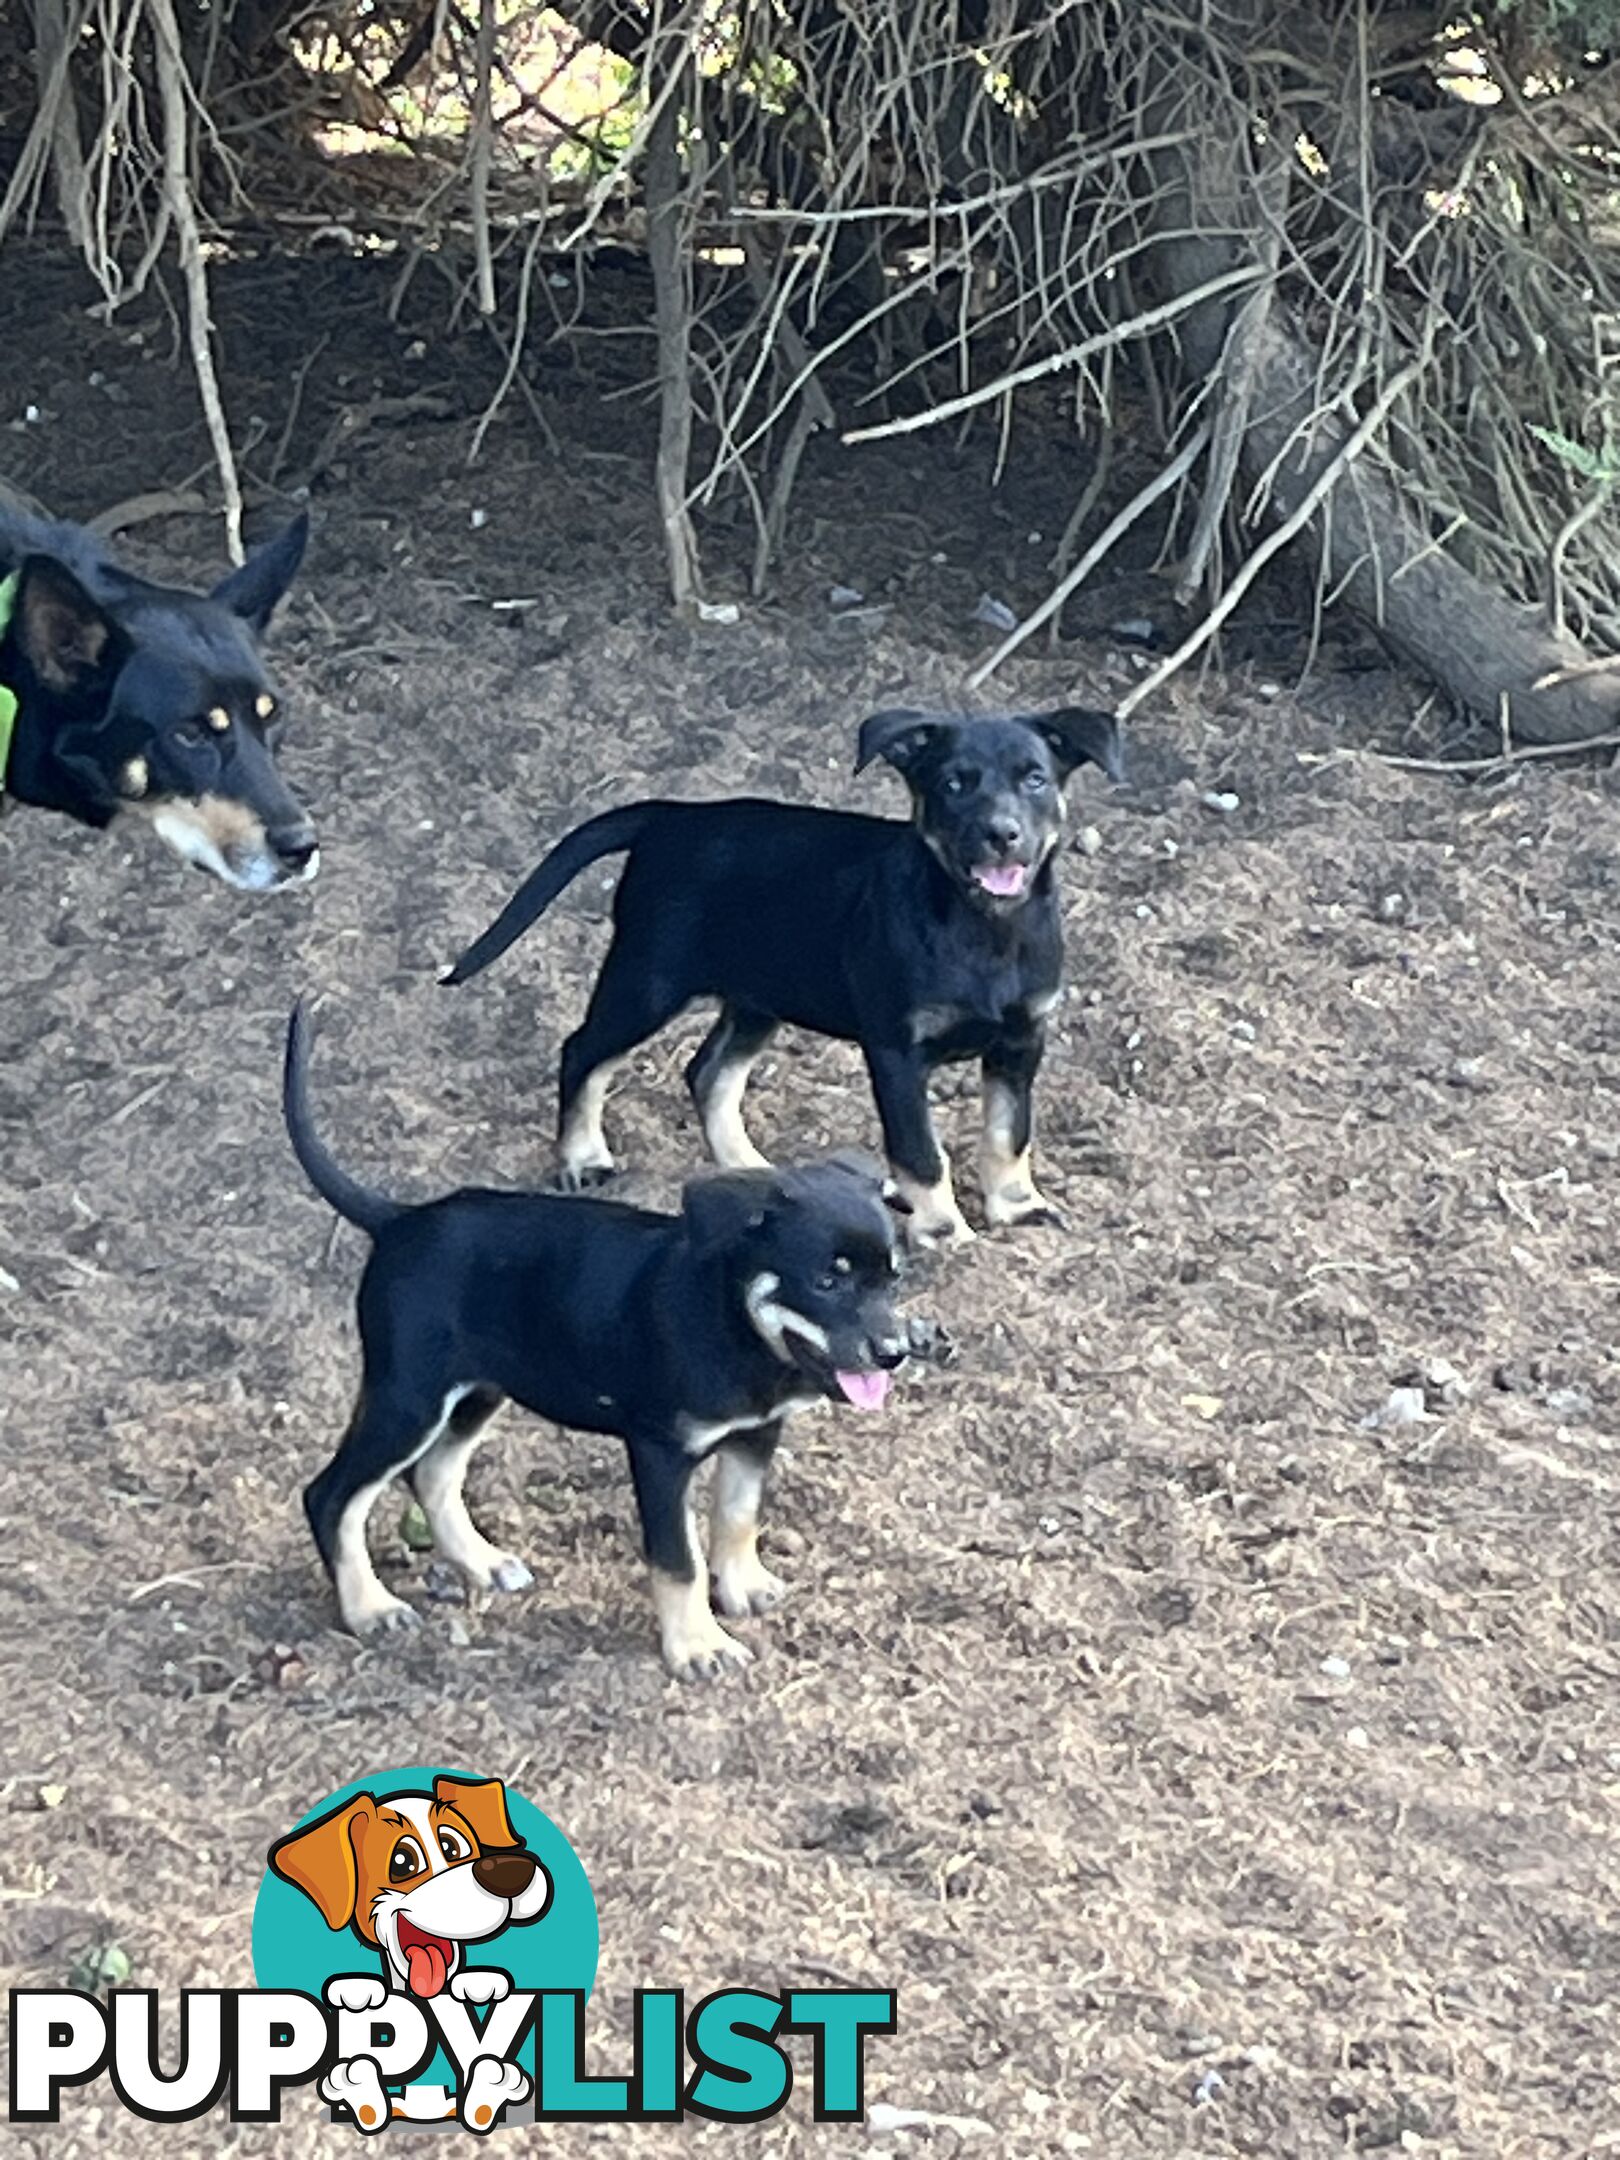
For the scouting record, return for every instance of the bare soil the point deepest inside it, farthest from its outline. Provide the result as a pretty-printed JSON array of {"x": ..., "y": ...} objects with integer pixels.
[{"x": 1210, "y": 1766}]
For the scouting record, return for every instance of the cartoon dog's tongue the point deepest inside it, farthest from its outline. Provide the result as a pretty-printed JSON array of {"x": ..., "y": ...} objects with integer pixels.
[
  {"x": 1004, "y": 880},
  {"x": 866, "y": 1390},
  {"x": 428, "y": 1965}
]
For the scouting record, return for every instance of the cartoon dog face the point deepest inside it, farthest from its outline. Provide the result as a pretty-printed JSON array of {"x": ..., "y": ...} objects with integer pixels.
[{"x": 417, "y": 1875}]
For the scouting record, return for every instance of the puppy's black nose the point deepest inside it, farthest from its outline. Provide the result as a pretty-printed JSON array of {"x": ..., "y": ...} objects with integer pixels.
[
  {"x": 1003, "y": 833},
  {"x": 504, "y": 1874},
  {"x": 295, "y": 845},
  {"x": 888, "y": 1351}
]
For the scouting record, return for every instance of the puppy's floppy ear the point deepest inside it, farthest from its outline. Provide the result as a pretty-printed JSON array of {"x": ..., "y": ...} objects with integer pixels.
[
  {"x": 320, "y": 1859},
  {"x": 1077, "y": 733},
  {"x": 722, "y": 1211},
  {"x": 482, "y": 1803},
  {"x": 899, "y": 737},
  {"x": 69, "y": 640},
  {"x": 872, "y": 1171},
  {"x": 254, "y": 591}
]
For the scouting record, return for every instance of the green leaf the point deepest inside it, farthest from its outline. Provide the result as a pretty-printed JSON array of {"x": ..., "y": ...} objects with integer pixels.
[{"x": 1590, "y": 464}]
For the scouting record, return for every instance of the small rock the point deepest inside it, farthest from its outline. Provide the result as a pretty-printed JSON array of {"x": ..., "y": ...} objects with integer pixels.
[
  {"x": 719, "y": 611},
  {"x": 1569, "y": 1403},
  {"x": 477, "y": 519},
  {"x": 458, "y": 1631},
  {"x": 1443, "y": 1385},
  {"x": 993, "y": 613},
  {"x": 1134, "y": 630},
  {"x": 1209, "y": 2087},
  {"x": 414, "y": 1529},
  {"x": 1204, "y": 1406},
  {"x": 1088, "y": 840},
  {"x": 104, "y": 1965},
  {"x": 1268, "y": 690},
  {"x": 1357, "y": 1737},
  {"x": 1467, "y": 1072},
  {"x": 1392, "y": 908},
  {"x": 844, "y": 596},
  {"x": 1405, "y": 1406},
  {"x": 444, "y": 1584},
  {"x": 1336, "y": 1668},
  {"x": 1220, "y": 800}
]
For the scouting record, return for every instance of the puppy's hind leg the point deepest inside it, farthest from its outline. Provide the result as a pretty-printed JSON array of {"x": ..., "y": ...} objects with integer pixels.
[
  {"x": 630, "y": 1002},
  {"x": 386, "y": 1434},
  {"x": 437, "y": 1481},
  {"x": 717, "y": 1077}
]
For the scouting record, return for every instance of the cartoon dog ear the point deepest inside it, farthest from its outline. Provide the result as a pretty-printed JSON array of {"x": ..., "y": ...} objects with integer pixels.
[
  {"x": 722, "y": 1211},
  {"x": 254, "y": 590},
  {"x": 1077, "y": 733},
  {"x": 70, "y": 641},
  {"x": 320, "y": 1859},
  {"x": 482, "y": 1802},
  {"x": 900, "y": 738}
]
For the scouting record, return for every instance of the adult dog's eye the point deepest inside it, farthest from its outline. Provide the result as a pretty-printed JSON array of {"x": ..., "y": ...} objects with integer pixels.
[
  {"x": 406, "y": 1859},
  {"x": 1036, "y": 782},
  {"x": 454, "y": 1846}
]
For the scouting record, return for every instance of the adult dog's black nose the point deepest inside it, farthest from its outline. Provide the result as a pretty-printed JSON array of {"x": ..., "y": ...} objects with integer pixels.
[
  {"x": 295, "y": 845},
  {"x": 504, "y": 1874},
  {"x": 1003, "y": 833}
]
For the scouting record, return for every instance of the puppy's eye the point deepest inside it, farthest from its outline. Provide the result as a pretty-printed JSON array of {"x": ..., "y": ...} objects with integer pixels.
[
  {"x": 1036, "y": 782},
  {"x": 406, "y": 1859},
  {"x": 453, "y": 1845}
]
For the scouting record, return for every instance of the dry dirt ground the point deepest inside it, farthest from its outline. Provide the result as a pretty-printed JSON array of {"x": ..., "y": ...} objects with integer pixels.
[{"x": 1210, "y": 1766}]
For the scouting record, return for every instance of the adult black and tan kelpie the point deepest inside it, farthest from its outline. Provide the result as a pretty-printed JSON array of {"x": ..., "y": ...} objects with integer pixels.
[{"x": 121, "y": 698}]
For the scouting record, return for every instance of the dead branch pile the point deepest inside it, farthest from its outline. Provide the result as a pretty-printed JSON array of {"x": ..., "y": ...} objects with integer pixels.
[{"x": 1355, "y": 262}]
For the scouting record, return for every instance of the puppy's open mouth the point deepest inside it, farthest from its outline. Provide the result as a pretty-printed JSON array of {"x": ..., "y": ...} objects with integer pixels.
[
  {"x": 428, "y": 1958},
  {"x": 1003, "y": 881},
  {"x": 866, "y": 1390}
]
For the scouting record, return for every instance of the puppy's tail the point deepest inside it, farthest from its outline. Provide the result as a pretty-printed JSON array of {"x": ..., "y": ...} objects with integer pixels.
[
  {"x": 609, "y": 834},
  {"x": 351, "y": 1199}
]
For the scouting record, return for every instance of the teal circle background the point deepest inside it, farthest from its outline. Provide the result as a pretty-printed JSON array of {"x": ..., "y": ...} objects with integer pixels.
[{"x": 294, "y": 1948}]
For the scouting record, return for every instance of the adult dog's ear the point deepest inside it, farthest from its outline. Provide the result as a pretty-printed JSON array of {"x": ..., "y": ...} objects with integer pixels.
[
  {"x": 901, "y": 738},
  {"x": 1076, "y": 734},
  {"x": 723, "y": 1211},
  {"x": 254, "y": 591},
  {"x": 67, "y": 638},
  {"x": 481, "y": 1802},
  {"x": 320, "y": 1859}
]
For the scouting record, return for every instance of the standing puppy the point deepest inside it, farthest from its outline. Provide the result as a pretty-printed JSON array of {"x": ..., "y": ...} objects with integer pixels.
[
  {"x": 924, "y": 942},
  {"x": 686, "y": 1335}
]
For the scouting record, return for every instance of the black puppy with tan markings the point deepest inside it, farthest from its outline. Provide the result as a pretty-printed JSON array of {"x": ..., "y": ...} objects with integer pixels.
[
  {"x": 925, "y": 942},
  {"x": 120, "y": 698},
  {"x": 686, "y": 1335}
]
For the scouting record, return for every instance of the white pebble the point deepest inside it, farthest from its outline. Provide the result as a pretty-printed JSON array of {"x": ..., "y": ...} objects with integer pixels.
[
  {"x": 1336, "y": 1668},
  {"x": 1221, "y": 800},
  {"x": 1356, "y": 1737}
]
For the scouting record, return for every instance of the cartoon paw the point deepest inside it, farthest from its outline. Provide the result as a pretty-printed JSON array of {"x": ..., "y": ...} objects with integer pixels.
[
  {"x": 356, "y": 2086},
  {"x": 481, "y": 1984},
  {"x": 491, "y": 2086},
  {"x": 356, "y": 1991}
]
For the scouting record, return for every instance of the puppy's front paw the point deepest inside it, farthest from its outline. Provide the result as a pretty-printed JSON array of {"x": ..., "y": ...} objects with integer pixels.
[
  {"x": 491, "y": 2087},
  {"x": 703, "y": 1651},
  {"x": 355, "y": 1991},
  {"x": 747, "y": 1586},
  {"x": 938, "y": 1233},
  {"x": 1026, "y": 1209},
  {"x": 382, "y": 1616},
  {"x": 480, "y": 1984},
  {"x": 358, "y": 2087},
  {"x": 584, "y": 1176}
]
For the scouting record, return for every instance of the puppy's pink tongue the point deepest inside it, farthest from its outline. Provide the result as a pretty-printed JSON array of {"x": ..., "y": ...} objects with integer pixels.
[
  {"x": 866, "y": 1390},
  {"x": 1004, "y": 880},
  {"x": 429, "y": 1968}
]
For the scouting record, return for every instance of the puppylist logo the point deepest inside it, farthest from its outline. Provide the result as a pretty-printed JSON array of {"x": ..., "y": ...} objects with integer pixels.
[{"x": 424, "y": 1944}]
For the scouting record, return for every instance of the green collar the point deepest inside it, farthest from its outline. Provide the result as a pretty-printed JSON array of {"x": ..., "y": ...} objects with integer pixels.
[{"x": 8, "y": 698}]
